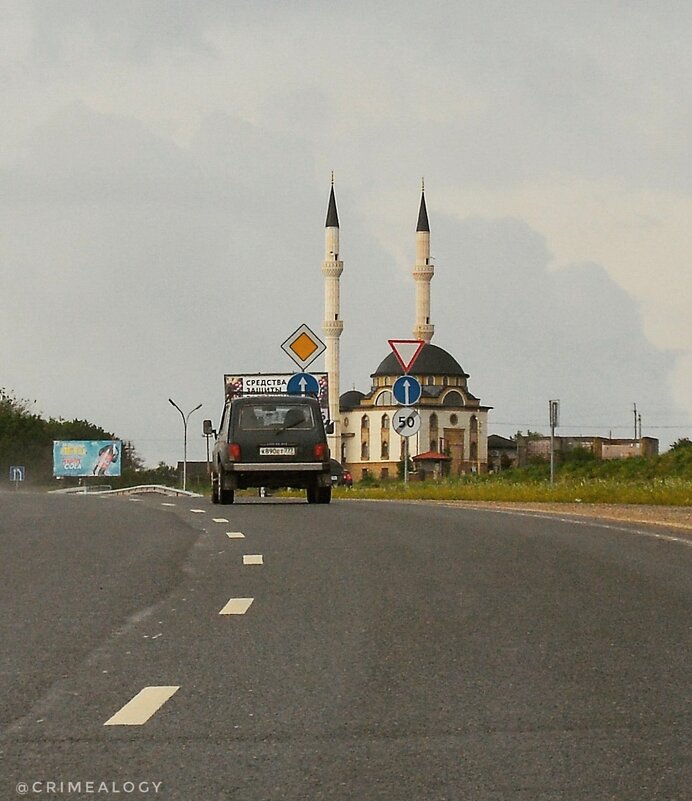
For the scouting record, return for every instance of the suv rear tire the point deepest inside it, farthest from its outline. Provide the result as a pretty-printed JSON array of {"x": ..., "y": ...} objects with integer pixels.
[
  {"x": 324, "y": 494},
  {"x": 226, "y": 496},
  {"x": 319, "y": 494}
]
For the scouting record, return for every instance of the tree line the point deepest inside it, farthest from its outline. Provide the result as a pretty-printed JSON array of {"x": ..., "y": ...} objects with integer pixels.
[{"x": 26, "y": 439}]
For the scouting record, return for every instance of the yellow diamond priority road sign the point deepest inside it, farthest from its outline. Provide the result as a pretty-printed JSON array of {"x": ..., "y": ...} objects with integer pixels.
[{"x": 303, "y": 346}]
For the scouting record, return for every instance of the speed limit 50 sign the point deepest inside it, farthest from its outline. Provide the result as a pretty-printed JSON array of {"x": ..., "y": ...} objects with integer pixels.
[{"x": 406, "y": 422}]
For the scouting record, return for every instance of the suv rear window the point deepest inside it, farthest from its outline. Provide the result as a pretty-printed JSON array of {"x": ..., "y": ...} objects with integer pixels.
[{"x": 262, "y": 417}]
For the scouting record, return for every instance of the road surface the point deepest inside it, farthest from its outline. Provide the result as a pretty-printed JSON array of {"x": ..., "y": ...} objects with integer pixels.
[{"x": 167, "y": 648}]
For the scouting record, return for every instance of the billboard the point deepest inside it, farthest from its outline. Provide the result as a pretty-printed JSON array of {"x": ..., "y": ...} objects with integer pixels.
[
  {"x": 86, "y": 457},
  {"x": 273, "y": 383}
]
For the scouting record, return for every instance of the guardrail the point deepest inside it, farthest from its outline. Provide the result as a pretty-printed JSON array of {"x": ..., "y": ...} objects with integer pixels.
[{"x": 137, "y": 490}]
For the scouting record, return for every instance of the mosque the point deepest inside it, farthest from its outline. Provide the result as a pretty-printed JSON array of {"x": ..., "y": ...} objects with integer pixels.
[{"x": 452, "y": 439}]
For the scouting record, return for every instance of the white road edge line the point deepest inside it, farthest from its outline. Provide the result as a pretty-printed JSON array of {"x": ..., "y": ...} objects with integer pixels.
[
  {"x": 253, "y": 559},
  {"x": 138, "y": 710},
  {"x": 592, "y": 523},
  {"x": 237, "y": 606}
]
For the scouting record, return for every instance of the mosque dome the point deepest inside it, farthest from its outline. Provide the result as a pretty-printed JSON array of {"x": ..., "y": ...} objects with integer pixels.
[
  {"x": 350, "y": 400},
  {"x": 431, "y": 361}
]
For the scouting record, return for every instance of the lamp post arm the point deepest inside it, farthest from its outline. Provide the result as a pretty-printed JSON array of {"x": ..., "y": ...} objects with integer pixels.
[{"x": 185, "y": 421}]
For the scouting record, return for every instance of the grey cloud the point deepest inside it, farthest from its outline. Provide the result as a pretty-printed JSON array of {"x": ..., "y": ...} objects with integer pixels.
[{"x": 528, "y": 334}]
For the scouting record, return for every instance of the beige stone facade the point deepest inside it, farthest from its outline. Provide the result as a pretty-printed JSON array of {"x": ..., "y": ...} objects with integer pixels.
[{"x": 453, "y": 423}]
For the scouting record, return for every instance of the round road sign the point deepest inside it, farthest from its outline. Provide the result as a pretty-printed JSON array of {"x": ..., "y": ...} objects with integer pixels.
[
  {"x": 407, "y": 390},
  {"x": 406, "y": 422},
  {"x": 302, "y": 384}
]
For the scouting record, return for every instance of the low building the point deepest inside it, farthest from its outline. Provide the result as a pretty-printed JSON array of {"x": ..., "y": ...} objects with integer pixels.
[
  {"x": 531, "y": 448},
  {"x": 432, "y": 464},
  {"x": 502, "y": 453}
]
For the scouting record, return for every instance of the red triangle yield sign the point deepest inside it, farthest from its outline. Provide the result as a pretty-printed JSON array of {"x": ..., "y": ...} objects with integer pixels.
[{"x": 406, "y": 351}]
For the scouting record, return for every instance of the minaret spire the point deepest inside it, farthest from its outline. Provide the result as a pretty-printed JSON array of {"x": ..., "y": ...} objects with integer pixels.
[
  {"x": 332, "y": 216},
  {"x": 332, "y": 325},
  {"x": 423, "y": 272}
]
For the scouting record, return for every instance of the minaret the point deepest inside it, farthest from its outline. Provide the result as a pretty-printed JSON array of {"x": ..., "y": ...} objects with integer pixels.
[
  {"x": 423, "y": 271},
  {"x": 332, "y": 325}
]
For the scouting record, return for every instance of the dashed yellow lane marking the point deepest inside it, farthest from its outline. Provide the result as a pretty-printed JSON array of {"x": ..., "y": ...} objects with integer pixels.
[
  {"x": 237, "y": 606},
  {"x": 142, "y": 706}
]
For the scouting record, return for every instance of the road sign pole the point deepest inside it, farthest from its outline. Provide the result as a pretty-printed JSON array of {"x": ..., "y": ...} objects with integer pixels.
[
  {"x": 554, "y": 407},
  {"x": 405, "y": 461}
]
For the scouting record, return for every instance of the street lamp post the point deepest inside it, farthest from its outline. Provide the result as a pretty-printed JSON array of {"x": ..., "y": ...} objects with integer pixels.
[{"x": 185, "y": 419}]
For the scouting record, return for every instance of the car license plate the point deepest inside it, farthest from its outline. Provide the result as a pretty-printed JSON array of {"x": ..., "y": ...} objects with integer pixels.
[{"x": 275, "y": 450}]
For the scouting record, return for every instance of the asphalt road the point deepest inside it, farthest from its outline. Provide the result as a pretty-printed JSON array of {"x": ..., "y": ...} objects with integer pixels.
[{"x": 378, "y": 651}]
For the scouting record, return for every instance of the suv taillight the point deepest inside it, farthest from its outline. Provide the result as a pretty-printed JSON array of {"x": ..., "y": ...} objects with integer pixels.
[
  {"x": 322, "y": 451},
  {"x": 234, "y": 452}
]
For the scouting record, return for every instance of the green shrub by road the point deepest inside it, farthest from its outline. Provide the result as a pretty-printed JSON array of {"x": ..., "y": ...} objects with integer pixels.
[
  {"x": 666, "y": 492},
  {"x": 664, "y": 480}
]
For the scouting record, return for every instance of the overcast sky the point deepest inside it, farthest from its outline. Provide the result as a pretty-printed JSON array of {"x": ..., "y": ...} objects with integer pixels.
[{"x": 164, "y": 177}]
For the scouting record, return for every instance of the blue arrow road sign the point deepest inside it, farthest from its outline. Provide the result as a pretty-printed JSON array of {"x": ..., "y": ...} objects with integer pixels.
[
  {"x": 302, "y": 384},
  {"x": 407, "y": 390}
]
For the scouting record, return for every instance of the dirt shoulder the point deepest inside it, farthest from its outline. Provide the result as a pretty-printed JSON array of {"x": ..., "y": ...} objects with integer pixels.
[{"x": 679, "y": 517}]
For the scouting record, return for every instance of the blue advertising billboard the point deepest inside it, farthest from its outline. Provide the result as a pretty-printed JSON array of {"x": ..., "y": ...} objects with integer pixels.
[{"x": 86, "y": 457}]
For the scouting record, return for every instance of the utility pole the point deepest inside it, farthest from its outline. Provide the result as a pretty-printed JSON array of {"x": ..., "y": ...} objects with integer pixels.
[{"x": 635, "y": 421}]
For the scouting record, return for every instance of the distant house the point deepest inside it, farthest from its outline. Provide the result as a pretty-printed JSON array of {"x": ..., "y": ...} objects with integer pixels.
[
  {"x": 432, "y": 464},
  {"x": 196, "y": 471},
  {"x": 531, "y": 448},
  {"x": 502, "y": 453}
]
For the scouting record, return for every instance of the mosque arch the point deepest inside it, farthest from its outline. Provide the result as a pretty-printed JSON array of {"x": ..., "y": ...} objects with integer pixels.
[{"x": 453, "y": 398}]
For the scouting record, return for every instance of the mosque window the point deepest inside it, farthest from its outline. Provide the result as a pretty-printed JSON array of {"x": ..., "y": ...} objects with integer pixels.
[
  {"x": 434, "y": 431},
  {"x": 385, "y": 421},
  {"x": 385, "y": 450},
  {"x": 345, "y": 422},
  {"x": 453, "y": 419},
  {"x": 384, "y": 399},
  {"x": 474, "y": 424},
  {"x": 364, "y": 450},
  {"x": 364, "y": 421}
]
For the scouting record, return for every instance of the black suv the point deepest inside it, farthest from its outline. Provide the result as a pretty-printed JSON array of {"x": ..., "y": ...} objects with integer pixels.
[{"x": 270, "y": 441}]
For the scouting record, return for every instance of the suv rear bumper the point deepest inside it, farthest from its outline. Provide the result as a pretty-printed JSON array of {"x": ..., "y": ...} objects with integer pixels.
[
  {"x": 276, "y": 467},
  {"x": 242, "y": 475}
]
